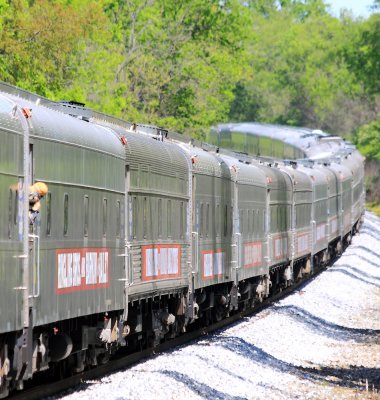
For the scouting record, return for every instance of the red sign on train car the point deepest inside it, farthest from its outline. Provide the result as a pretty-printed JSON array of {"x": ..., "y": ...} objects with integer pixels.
[
  {"x": 161, "y": 261},
  {"x": 252, "y": 254},
  {"x": 302, "y": 243},
  {"x": 333, "y": 226},
  {"x": 280, "y": 247},
  {"x": 213, "y": 263},
  {"x": 82, "y": 269},
  {"x": 320, "y": 232}
]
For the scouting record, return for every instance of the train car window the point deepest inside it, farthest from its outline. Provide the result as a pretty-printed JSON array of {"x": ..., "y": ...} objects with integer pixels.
[
  {"x": 201, "y": 221},
  {"x": 134, "y": 216},
  {"x": 277, "y": 216},
  {"x": 272, "y": 220},
  {"x": 145, "y": 217},
  {"x": 264, "y": 220},
  {"x": 104, "y": 217},
  {"x": 86, "y": 204},
  {"x": 159, "y": 217},
  {"x": 252, "y": 144},
  {"x": 10, "y": 214},
  {"x": 118, "y": 219},
  {"x": 181, "y": 220},
  {"x": 48, "y": 214},
  {"x": 257, "y": 222},
  {"x": 169, "y": 218},
  {"x": 260, "y": 223},
  {"x": 278, "y": 148},
  {"x": 230, "y": 220},
  {"x": 265, "y": 146},
  {"x": 217, "y": 220},
  {"x": 225, "y": 220},
  {"x": 16, "y": 208},
  {"x": 65, "y": 214},
  {"x": 207, "y": 218}
]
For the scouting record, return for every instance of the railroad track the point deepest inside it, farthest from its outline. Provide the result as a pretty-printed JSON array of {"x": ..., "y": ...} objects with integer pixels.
[{"x": 122, "y": 361}]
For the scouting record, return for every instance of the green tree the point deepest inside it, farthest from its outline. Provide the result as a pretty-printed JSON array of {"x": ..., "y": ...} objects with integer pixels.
[
  {"x": 363, "y": 54},
  {"x": 299, "y": 71},
  {"x": 368, "y": 140},
  {"x": 181, "y": 60},
  {"x": 43, "y": 43}
]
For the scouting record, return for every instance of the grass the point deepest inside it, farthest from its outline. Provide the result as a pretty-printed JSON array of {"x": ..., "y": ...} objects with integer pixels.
[{"x": 374, "y": 207}]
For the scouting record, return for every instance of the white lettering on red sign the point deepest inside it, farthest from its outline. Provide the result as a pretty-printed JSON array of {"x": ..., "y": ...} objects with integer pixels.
[
  {"x": 161, "y": 261},
  {"x": 302, "y": 243},
  {"x": 280, "y": 247},
  {"x": 82, "y": 269},
  {"x": 321, "y": 232},
  {"x": 208, "y": 271},
  {"x": 277, "y": 248},
  {"x": 213, "y": 263},
  {"x": 252, "y": 254},
  {"x": 334, "y": 226},
  {"x": 219, "y": 263}
]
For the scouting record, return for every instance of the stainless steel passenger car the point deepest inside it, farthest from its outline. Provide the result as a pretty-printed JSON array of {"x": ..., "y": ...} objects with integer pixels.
[
  {"x": 319, "y": 212},
  {"x": 66, "y": 266},
  {"x": 141, "y": 236},
  {"x": 249, "y": 261},
  {"x": 11, "y": 228}
]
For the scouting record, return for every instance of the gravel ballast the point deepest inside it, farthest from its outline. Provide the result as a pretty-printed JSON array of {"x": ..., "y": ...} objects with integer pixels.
[{"x": 321, "y": 342}]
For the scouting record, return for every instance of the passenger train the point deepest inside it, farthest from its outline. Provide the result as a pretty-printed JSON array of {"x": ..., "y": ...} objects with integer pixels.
[{"x": 144, "y": 233}]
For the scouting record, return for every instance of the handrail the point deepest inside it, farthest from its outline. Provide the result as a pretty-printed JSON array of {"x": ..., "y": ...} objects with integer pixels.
[
  {"x": 196, "y": 250},
  {"x": 36, "y": 266}
]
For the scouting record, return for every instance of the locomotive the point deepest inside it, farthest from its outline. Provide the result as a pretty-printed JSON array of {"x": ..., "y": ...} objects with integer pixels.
[{"x": 144, "y": 234}]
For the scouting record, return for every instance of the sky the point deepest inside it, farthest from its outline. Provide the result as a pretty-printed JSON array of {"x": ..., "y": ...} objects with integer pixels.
[{"x": 358, "y": 7}]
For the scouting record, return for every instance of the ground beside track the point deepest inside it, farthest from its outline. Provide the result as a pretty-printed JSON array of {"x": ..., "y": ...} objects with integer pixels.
[{"x": 322, "y": 342}]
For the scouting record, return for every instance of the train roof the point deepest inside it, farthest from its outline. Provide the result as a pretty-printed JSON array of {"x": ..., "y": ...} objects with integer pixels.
[
  {"x": 285, "y": 142},
  {"x": 207, "y": 163},
  {"x": 57, "y": 126},
  {"x": 164, "y": 157},
  {"x": 245, "y": 173},
  {"x": 311, "y": 143}
]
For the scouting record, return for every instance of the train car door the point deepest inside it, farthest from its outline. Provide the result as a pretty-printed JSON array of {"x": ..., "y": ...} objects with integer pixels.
[
  {"x": 268, "y": 236},
  {"x": 128, "y": 278},
  {"x": 23, "y": 351},
  {"x": 237, "y": 237},
  {"x": 193, "y": 224},
  {"x": 195, "y": 232}
]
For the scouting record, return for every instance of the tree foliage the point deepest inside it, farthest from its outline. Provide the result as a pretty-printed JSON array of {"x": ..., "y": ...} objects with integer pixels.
[
  {"x": 368, "y": 140},
  {"x": 189, "y": 64}
]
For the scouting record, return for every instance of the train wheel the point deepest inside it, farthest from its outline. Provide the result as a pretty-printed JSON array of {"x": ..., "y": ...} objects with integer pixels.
[
  {"x": 4, "y": 370},
  {"x": 218, "y": 314}
]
